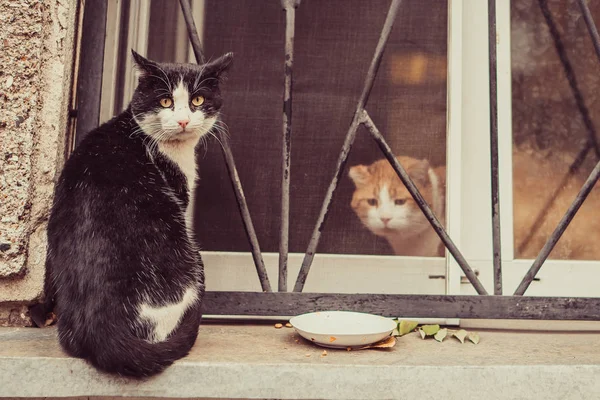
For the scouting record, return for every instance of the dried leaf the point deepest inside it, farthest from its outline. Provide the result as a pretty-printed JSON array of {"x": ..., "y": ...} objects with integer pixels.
[
  {"x": 460, "y": 335},
  {"x": 430, "y": 330},
  {"x": 390, "y": 341},
  {"x": 441, "y": 334},
  {"x": 422, "y": 334},
  {"x": 407, "y": 327},
  {"x": 473, "y": 337}
]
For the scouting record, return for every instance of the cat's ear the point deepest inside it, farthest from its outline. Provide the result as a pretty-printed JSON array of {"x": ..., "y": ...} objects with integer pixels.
[
  {"x": 145, "y": 66},
  {"x": 218, "y": 68},
  {"x": 360, "y": 175},
  {"x": 419, "y": 172}
]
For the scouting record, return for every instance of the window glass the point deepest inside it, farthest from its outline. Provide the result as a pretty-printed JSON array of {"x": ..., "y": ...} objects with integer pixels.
[
  {"x": 334, "y": 43},
  {"x": 555, "y": 88}
]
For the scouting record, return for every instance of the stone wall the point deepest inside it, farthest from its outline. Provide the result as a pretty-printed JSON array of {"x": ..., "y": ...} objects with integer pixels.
[{"x": 37, "y": 48}]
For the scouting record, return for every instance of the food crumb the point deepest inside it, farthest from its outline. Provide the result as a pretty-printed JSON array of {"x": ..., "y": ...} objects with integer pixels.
[
  {"x": 307, "y": 355},
  {"x": 348, "y": 348},
  {"x": 324, "y": 353},
  {"x": 278, "y": 326},
  {"x": 288, "y": 325}
]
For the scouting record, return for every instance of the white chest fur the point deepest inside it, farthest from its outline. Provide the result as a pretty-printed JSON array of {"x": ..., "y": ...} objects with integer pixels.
[{"x": 183, "y": 155}]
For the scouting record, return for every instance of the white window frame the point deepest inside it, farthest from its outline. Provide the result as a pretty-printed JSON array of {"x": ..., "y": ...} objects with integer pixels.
[{"x": 473, "y": 208}]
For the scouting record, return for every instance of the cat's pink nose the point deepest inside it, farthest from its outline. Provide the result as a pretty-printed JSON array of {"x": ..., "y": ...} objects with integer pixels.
[
  {"x": 385, "y": 220},
  {"x": 183, "y": 123}
]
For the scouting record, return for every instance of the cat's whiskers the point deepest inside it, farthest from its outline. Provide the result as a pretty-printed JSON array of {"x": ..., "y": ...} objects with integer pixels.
[
  {"x": 148, "y": 136},
  {"x": 161, "y": 135},
  {"x": 212, "y": 134},
  {"x": 222, "y": 128},
  {"x": 204, "y": 144}
]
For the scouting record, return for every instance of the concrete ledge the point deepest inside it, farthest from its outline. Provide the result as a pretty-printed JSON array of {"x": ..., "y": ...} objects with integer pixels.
[{"x": 253, "y": 361}]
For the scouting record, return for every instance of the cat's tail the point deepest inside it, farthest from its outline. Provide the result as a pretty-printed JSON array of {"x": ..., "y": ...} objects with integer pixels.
[{"x": 130, "y": 356}]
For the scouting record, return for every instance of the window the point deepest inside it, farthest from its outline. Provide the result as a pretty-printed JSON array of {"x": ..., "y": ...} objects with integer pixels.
[{"x": 430, "y": 101}]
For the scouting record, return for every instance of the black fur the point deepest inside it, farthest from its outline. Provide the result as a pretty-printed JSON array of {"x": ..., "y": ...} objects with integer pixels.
[{"x": 117, "y": 235}]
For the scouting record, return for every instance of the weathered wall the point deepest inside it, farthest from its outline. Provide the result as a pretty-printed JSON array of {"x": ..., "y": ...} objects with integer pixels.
[{"x": 36, "y": 55}]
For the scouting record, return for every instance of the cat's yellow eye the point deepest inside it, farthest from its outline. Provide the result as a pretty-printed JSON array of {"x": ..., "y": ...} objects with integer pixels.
[
  {"x": 399, "y": 202},
  {"x": 372, "y": 202},
  {"x": 198, "y": 101},
  {"x": 166, "y": 102}
]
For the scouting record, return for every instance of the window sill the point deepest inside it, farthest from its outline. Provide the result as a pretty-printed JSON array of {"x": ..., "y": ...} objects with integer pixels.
[{"x": 259, "y": 361}]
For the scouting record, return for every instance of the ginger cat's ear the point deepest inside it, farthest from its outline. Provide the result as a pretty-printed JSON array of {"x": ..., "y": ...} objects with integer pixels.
[
  {"x": 360, "y": 175},
  {"x": 419, "y": 172}
]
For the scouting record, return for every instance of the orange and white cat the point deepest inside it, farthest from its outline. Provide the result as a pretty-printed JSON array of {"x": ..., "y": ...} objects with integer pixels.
[{"x": 387, "y": 209}]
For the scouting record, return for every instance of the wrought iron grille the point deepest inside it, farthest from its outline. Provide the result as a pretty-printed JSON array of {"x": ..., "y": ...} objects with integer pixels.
[{"x": 483, "y": 305}]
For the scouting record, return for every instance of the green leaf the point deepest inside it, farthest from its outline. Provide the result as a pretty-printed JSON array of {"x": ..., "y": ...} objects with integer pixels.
[
  {"x": 430, "y": 330},
  {"x": 440, "y": 335},
  {"x": 460, "y": 335},
  {"x": 422, "y": 333},
  {"x": 407, "y": 327},
  {"x": 473, "y": 337}
]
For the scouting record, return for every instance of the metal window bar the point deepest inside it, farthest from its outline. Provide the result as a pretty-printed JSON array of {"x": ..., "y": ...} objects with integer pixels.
[
  {"x": 238, "y": 303},
  {"x": 496, "y": 245},
  {"x": 289, "y": 7}
]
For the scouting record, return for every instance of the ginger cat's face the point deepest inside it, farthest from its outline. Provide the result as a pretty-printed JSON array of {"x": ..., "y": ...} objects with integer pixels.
[{"x": 383, "y": 203}]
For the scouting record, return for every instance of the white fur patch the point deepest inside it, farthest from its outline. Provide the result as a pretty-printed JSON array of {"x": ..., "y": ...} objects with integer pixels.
[
  {"x": 386, "y": 209},
  {"x": 183, "y": 155},
  {"x": 166, "y": 318},
  {"x": 438, "y": 198}
]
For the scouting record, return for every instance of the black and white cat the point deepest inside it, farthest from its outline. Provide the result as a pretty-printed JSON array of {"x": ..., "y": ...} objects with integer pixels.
[{"x": 122, "y": 269}]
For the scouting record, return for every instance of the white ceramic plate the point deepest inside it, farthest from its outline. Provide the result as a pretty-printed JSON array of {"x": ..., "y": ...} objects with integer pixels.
[{"x": 342, "y": 329}]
